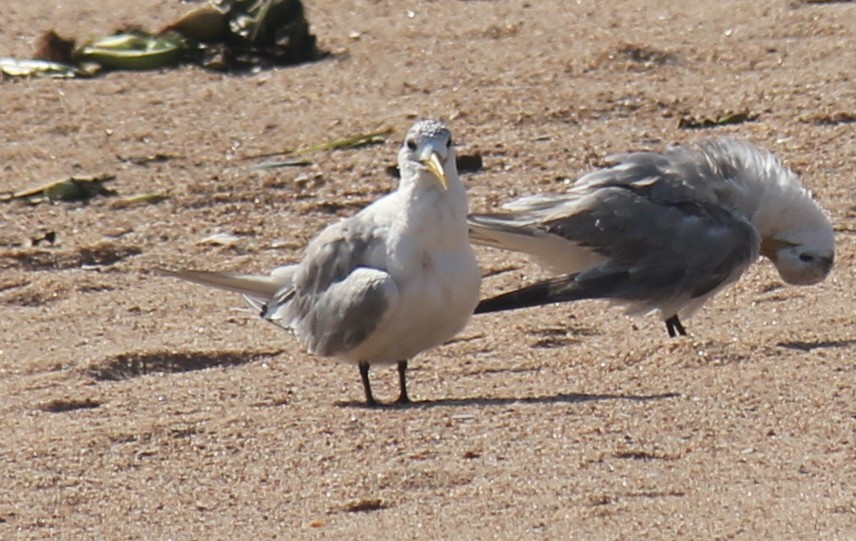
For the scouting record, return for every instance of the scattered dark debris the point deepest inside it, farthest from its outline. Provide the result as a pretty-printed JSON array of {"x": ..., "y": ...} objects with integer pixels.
[
  {"x": 689, "y": 122},
  {"x": 643, "y": 455},
  {"x": 134, "y": 437},
  {"x": 62, "y": 405},
  {"x": 654, "y": 494},
  {"x": 365, "y": 505},
  {"x": 147, "y": 159},
  {"x": 139, "y": 200},
  {"x": 276, "y": 164},
  {"x": 303, "y": 181},
  {"x": 186, "y": 432},
  {"x": 470, "y": 455},
  {"x": 101, "y": 254},
  {"x": 601, "y": 499},
  {"x": 643, "y": 54},
  {"x": 105, "y": 253},
  {"x": 74, "y": 188},
  {"x": 132, "y": 365},
  {"x": 469, "y": 163},
  {"x": 466, "y": 163},
  {"x": 48, "y": 237},
  {"x": 500, "y": 31},
  {"x": 605, "y": 499},
  {"x": 54, "y": 48},
  {"x": 634, "y": 57},
  {"x": 624, "y": 106},
  {"x": 833, "y": 119},
  {"x": 555, "y": 342},
  {"x": 93, "y": 287}
]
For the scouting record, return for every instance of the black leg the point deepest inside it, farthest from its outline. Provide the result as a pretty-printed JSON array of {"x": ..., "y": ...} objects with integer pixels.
[
  {"x": 364, "y": 374},
  {"x": 673, "y": 325},
  {"x": 402, "y": 383}
]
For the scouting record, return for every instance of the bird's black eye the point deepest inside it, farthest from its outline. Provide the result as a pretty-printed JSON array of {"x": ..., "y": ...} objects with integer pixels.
[
  {"x": 411, "y": 144},
  {"x": 806, "y": 258},
  {"x": 449, "y": 143}
]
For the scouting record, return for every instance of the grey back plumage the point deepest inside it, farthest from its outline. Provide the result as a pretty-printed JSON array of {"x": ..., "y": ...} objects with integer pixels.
[{"x": 654, "y": 230}]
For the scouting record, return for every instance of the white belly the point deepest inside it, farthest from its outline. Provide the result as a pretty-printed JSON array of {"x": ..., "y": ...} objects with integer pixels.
[{"x": 433, "y": 306}]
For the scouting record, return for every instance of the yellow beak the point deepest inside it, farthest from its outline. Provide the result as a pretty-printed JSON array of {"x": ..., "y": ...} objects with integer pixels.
[
  {"x": 434, "y": 165},
  {"x": 771, "y": 247}
]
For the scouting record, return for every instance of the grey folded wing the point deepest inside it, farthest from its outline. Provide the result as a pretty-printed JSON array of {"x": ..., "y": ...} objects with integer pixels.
[
  {"x": 657, "y": 254},
  {"x": 338, "y": 297},
  {"x": 704, "y": 175},
  {"x": 664, "y": 225},
  {"x": 674, "y": 177}
]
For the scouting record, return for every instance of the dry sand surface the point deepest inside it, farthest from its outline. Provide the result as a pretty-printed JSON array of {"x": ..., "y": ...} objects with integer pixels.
[{"x": 137, "y": 407}]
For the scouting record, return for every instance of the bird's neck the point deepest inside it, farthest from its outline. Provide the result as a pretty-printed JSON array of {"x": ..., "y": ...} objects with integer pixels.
[
  {"x": 424, "y": 200},
  {"x": 774, "y": 194},
  {"x": 766, "y": 191},
  {"x": 775, "y": 203},
  {"x": 423, "y": 187}
]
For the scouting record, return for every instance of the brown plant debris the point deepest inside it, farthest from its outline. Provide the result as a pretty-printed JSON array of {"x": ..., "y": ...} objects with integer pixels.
[{"x": 689, "y": 122}]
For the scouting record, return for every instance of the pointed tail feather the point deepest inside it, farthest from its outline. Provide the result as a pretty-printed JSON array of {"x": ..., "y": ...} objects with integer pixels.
[
  {"x": 560, "y": 289},
  {"x": 499, "y": 231},
  {"x": 565, "y": 288},
  {"x": 252, "y": 286},
  {"x": 558, "y": 253}
]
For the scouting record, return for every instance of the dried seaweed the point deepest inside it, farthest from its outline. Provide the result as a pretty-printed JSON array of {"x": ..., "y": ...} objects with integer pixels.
[
  {"x": 74, "y": 188},
  {"x": 350, "y": 142},
  {"x": 689, "y": 122},
  {"x": 223, "y": 35}
]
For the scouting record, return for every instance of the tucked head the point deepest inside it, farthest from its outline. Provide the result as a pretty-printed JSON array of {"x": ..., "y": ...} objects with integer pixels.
[
  {"x": 796, "y": 234},
  {"x": 803, "y": 255},
  {"x": 428, "y": 148}
]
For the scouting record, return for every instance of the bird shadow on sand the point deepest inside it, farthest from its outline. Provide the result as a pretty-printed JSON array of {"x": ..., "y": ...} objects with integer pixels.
[
  {"x": 817, "y": 344},
  {"x": 135, "y": 364},
  {"x": 566, "y": 398}
]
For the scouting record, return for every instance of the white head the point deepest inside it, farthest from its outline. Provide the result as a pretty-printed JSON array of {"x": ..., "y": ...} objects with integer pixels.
[
  {"x": 427, "y": 153},
  {"x": 796, "y": 234},
  {"x": 803, "y": 256}
]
